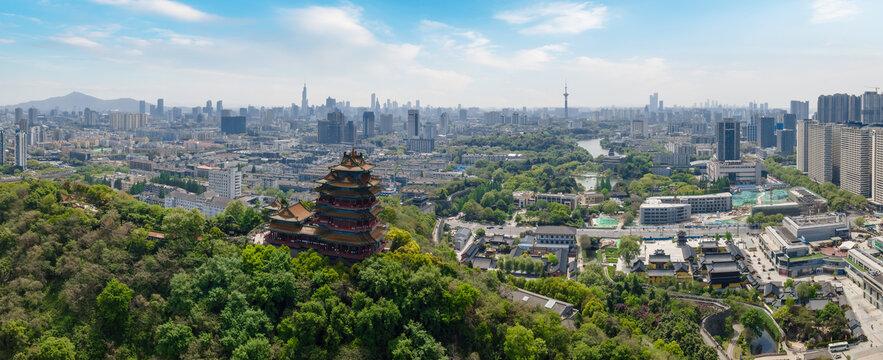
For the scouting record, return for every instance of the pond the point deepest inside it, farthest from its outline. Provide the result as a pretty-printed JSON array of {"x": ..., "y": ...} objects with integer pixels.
[
  {"x": 604, "y": 221},
  {"x": 589, "y": 180},
  {"x": 764, "y": 344}
]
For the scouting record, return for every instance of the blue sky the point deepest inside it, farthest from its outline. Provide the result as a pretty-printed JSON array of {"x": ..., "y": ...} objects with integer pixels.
[{"x": 475, "y": 53}]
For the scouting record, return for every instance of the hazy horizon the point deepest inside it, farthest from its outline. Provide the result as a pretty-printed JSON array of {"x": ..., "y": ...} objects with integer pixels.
[{"x": 488, "y": 54}]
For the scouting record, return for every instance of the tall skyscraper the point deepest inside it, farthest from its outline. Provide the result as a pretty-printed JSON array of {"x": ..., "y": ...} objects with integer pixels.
[
  {"x": 413, "y": 124},
  {"x": 789, "y": 121},
  {"x": 800, "y": 109},
  {"x": 373, "y": 100},
  {"x": 445, "y": 123},
  {"x": 208, "y": 108},
  {"x": 855, "y": 160},
  {"x": 160, "y": 107},
  {"x": 19, "y": 114},
  {"x": 566, "y": 114},
  {"x": 227, "y": 182},
  {"x": 304, "y": 105},
  {"x": 32, "y": 116},
  {"x": 368, "y": 122},
  {"x": 877, "y": 166},
  {"x": 823, "y": 152},
  {"x": 142, "y": 107},
  {"x": 803, "y": 144},
  {"x": 838, "y": 108},
  {"x": 728, "y": 140},
  {"x": 385, "y": 123},
  {"x": 21, "y": 150},
  {"x": 785, "y": 142},
  {"x": 872, "y": 108},
  {"x": 654, "y": 103},
  {"x": 219, "y": 108},
  {"x": 766, "y": 132},
  {"x": 463, "y": 114},
  {"x": 349, "y": 133},
  {"x": 2, "y": 147},
  {"x": 331, "y": 130}
]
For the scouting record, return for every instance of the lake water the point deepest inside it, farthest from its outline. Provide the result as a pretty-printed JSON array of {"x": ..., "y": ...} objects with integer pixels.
[
  {"x": 593, "y": 146},
  {"x": 764, "y": 344}
]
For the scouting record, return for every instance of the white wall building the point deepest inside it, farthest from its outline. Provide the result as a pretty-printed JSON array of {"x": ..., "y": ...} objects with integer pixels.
[{"x": 226, "y": 182}]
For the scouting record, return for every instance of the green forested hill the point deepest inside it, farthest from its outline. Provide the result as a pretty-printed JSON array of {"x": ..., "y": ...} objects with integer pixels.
[{"x": 90, "y": 284}]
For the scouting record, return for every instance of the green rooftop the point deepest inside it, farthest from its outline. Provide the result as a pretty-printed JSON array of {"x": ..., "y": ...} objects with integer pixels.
[{"x": 808, "y": 257}]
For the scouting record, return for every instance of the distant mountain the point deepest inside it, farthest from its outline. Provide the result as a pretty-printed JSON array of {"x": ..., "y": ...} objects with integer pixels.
[{"x": 79, "y": 101}]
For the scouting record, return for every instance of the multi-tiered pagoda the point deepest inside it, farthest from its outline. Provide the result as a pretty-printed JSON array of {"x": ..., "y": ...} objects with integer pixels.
[{"x": 344, "y": 223}]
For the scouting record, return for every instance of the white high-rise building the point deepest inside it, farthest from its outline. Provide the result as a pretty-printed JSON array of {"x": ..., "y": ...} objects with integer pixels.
[
  {"x": 877, "y": 166},
  {"x": 820, "y": 166},
  {"x": 654, "y": 103},
  {"x": 21, "y": 150},
  {"x": 855, "y": 160},
  {"x": 802, "y": 145},
  {"x": 227, "y": 183}
]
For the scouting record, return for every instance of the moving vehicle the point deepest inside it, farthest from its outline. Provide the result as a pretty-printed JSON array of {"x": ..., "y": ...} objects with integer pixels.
[{"x": 839, "y": 346}]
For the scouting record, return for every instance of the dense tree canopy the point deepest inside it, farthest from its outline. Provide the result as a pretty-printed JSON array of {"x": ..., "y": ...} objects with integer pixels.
[{"x": 90, "y": 284}]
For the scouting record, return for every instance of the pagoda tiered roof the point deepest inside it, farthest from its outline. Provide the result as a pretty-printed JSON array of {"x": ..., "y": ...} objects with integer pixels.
[
  {"x": 296, "y": 213},
  {"x": 345, "y": 181},
  {"x": 352, "y": 162},
  {"x": 344, "y": 223}
]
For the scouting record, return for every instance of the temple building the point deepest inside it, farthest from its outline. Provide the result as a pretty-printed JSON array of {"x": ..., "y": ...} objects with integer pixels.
[{"x": 344, "y": 224}]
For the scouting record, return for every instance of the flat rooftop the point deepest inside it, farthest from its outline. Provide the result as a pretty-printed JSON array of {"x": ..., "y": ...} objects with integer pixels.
[{"x": 817, "y": 220}]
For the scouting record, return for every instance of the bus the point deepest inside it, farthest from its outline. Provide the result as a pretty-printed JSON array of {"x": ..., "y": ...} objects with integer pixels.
[{"x": 840, "y": 346}]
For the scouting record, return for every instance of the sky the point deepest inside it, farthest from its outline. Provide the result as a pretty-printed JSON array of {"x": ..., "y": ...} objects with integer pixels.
[{"x": 475, "y": 53}]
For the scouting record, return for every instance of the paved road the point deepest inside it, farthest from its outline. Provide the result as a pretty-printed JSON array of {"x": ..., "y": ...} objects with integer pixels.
[{"x": 870, "y": 317}]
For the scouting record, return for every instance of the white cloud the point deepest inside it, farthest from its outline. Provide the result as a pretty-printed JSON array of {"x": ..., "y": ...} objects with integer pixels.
[
  {"x": 478, "y": 49},
  {"x": 339, "y": 41},
  {"x": 339, "y": 23},
  {"x": 167, "y": 8},
  {"x": 175, "y": 39},
  {"x": 77, "y": 41},
  {"x": 826, "y": 11},
  {"x": 7, "y": 41},
  {"x": 29, "y": 18},
  {"x": 556, "y": 18}
]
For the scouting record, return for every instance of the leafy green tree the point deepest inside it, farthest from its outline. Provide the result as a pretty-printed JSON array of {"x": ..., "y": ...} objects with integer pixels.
[
  {"x": 14, "y": 335},
  {"x": 113, "y": 305},
  {"x": 520, "y": 344},
  {"x": 377, "y": 323},
  {"x": 629, "y": 248},
  {"x": 610, "y": 207},
  {"x": 752, "y": 320},
  {"x": 398, "y": 237},
  {"x": 257, "y": 348},
  {"x": 805, "y": 291},
  {"x": 172, "y": 339},
  {"x": 183, "y": 224},
  {"x": 55, "y": 348},
  {"x": 416, "y": 343}
]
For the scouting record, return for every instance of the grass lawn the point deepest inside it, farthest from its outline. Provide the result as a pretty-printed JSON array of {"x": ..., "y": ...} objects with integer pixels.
[{"x": 611, "y": 270}]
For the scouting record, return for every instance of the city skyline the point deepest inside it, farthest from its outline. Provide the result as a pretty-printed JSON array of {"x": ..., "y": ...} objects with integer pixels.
[{"x": 490, "y": 54}]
